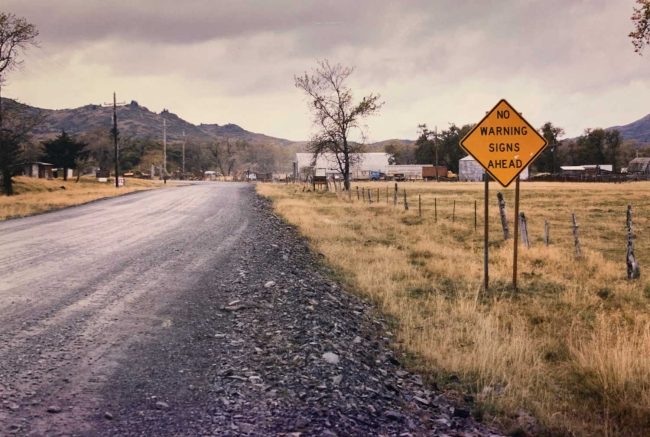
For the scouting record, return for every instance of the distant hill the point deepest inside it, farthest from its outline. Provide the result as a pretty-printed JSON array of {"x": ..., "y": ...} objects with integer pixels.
[
  {"x": 135, "y": 121},
  {"x": 637, "y": 130}
]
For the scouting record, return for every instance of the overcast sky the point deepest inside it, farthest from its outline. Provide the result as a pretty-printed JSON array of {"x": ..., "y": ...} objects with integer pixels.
[{"x": 432, "y": 61}]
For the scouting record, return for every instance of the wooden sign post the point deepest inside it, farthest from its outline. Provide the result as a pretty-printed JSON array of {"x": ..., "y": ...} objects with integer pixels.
[
  {"x": 504, "y": 143},
  {"x": 516, "y": 243}
]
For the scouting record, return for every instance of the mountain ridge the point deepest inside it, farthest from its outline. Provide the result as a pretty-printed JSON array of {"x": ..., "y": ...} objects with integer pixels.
[
  {"x": 137, "y": 121},
  {"x": 638, "y": 130}
]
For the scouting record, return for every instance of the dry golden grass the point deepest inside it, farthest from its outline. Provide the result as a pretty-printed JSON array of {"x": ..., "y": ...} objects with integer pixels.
[
  {"x": 571, "y": 347},
  {"x": 39, "y": 195}
]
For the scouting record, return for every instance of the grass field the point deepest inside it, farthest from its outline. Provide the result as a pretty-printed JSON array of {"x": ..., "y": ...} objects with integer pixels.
[
  {"x": 568, "y": 353},
  {"x": 39, "y": 195}
]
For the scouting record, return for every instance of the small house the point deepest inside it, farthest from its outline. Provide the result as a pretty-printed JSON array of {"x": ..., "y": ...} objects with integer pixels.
[
  {"x": 40, "y": 170},
  {"x": 639, "y": 166}
]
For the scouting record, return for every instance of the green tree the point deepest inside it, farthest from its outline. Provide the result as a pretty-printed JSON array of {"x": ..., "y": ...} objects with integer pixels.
[
  {"x": 65, "y": 152},
  {"x": 447, "y": 143},
  {"x": 336, "y": 114},
  {"x": 449, "y": 149},
  {"x": 400, "y": 153},
  {"x": 548, "y": 160},
  {"x": 598, "y": 146},
  {"x": 15, "y": 35},
  {"x": 613, "y": 150},
  {"x": 641, "y": 19},
  {"x": 591, "y": 147},
  {"x": 424, "y": 146}
]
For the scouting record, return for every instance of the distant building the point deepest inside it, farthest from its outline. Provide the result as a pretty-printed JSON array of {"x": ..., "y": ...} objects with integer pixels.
[
  {"x": 406, "y": 172},
  {"x": 639, "y": 166},
  {"x": 364, "y": 164},
  {"x": 59, "y": 173},
  {"x": 471, "y": 171},
  {"x": 586, "y": 169},
  {"x": 41, "y": 170}
]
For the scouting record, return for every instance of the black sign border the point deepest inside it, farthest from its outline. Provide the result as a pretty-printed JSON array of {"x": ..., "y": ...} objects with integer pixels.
[{"x": 482, "y": 120}]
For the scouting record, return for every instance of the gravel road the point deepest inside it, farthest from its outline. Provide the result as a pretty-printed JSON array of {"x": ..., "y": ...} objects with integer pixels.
[{"x": 193, "y": 311}]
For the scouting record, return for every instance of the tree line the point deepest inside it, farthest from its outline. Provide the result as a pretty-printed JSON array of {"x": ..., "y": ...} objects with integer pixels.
[{"x": 595, "y": 146}]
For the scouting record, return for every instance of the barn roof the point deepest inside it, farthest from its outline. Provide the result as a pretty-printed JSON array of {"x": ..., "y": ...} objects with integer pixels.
[{"x": 367, "y": 161}]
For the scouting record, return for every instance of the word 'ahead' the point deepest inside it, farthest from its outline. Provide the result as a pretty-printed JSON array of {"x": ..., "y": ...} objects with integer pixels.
[{"x": 503, "y": 143}]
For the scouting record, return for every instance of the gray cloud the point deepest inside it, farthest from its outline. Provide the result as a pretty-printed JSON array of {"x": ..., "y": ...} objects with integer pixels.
[{"x": 433, "y": 61}]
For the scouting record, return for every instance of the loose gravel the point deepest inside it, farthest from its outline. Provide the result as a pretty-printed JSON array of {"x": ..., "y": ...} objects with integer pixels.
[
  {"x": 269, "y": 345},
  {"x": 194, "y": 311}
]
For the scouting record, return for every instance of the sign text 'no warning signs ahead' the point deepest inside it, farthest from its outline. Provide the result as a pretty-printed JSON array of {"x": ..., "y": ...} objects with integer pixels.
[{"x": 503, "y": 143}]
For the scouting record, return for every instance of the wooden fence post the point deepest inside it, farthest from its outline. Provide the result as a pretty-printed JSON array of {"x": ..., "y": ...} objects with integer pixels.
[
  {"x": 453, "y": 212},
  {"x": 357, "y": 192},
  {"x": 435, "y": 210},
  {"x": 576, "y": 239},
  {"x": 369, "y": 196},
  {"x": 504, "y": 218},
  {"x": 395, "y": 196},
  {"x": 419, "y": 205},
  {"x": 524, "y": 230},
  {"x": 547, "y": 233},
  {"x": 406, "y": 203},
  {"x": 377, "y": 195},
  {"x": 475, "y": 216},
  {"x": 386, "y": 194},
  {"x": 633, "y": 268}
]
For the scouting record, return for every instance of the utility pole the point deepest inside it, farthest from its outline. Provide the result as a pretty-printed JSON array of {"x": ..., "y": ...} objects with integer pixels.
[
  {"x": 164, "y": 148},
  {"x": 117, "y": 157},
  {"x": 435, "y": 147},
  {"x": 184, "y": 139},
  {"x": 114, "y": 134}
]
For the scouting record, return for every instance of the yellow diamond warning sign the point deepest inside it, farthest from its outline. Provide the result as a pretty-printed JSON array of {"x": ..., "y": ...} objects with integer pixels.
[{"x": 503, "y": 143}]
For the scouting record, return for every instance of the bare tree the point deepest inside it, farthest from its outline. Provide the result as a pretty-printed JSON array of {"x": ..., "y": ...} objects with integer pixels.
[
  {"x": 641, "y": 19},
  {"x": 224, "y": 153},
  {"x": 335, "y": 113},
  {"x": 15, "y": 35}
]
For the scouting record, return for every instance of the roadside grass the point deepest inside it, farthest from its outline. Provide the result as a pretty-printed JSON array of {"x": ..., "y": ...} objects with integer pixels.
[
  {"x": 34, "y": 196},
  {"x": 568, "y": 353}
]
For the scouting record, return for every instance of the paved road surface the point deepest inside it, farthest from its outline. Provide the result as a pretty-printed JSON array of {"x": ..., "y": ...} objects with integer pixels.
[{"x": 191, "y": 311}]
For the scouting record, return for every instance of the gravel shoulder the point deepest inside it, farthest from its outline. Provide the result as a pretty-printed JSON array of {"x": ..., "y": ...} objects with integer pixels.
[{"x": 229, "y": 326}]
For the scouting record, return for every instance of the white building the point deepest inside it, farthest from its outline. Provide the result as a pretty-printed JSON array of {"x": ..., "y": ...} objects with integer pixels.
[
  {"x": 408, "y": 172},
  {"x": 326, "y": 164},
  {"x": 471, "y": 171}
]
